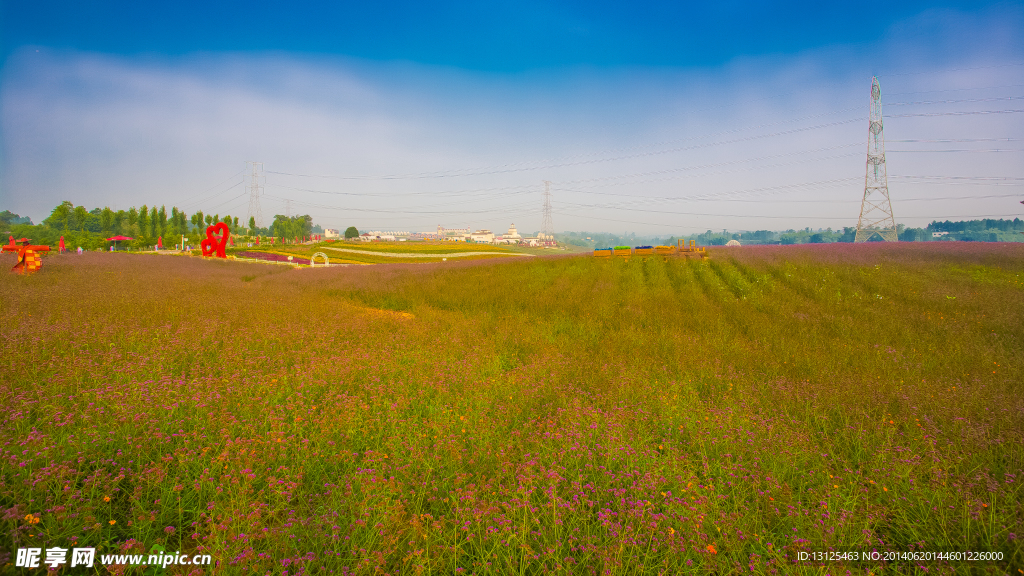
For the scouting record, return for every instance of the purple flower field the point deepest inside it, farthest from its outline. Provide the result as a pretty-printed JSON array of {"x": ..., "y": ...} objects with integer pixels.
[{"x": 552, "y": 415}]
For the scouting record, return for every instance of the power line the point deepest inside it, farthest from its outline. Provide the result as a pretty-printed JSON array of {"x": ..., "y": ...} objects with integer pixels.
[
  {"x": 982, "y": 178},
  {"x": 394, "y": 211},
  {"x": 214, "y": 195},
  {"x": 959, "y": 140},
  {"x": 212, "y": 187},
  {"x": 958, "y": 89},
  {"x": 968, "y": 100},
  {"x": 957, "y": 69},
  {"x": 969, "y": 113},
  {"x": 963, "y": 150},
  {"x": 518, "y": 166}
]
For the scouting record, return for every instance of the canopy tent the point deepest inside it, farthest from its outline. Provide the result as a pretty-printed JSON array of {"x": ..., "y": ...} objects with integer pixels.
[{"x": 118, "y": 239}]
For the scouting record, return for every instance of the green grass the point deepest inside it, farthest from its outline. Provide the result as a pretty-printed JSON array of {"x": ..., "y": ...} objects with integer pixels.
[
  {"x": 369, "y": 252},
  {"x": 572, "y": 415}
]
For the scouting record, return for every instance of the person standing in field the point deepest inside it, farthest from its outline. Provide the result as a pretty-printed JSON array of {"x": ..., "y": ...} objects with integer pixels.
[{"x": 79, "y": 250}]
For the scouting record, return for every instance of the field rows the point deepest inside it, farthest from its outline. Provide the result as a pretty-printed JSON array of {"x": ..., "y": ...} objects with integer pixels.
[{"x": 545, "y": 415}]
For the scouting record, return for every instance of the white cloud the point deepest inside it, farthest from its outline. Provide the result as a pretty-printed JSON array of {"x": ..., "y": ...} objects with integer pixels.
[{"x": 120, "y": 131}]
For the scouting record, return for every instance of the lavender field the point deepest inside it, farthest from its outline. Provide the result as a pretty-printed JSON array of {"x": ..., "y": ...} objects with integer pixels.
[{"x": 543, "y": 415}]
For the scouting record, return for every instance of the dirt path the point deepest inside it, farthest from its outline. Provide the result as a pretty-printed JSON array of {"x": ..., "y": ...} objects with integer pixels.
[{"x": 422, "y": 255}]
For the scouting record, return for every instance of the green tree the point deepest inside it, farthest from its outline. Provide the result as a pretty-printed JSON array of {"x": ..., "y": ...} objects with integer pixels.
[
  {"x": 281, "y": 226},
  {"x": 252, "y": 225},
  {"x": 304, "y": 225},
  {"x": 143, "y": 221},
  {"x": 175, "y": 225},
  {"x": 81, "y": 217},
  {"x": 200, "y": 225},
  {"x": 60, "y": 217},
  {"x": 107, "y": 220},
  {"x": 120, "y": 219},
  {"x": 133, "y": 216},
  {"x": 351, "y": 232},
  {"x": 162, "y": 220}
]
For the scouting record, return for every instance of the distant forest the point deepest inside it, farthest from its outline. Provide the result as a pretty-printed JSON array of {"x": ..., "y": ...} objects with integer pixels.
[
  {"x": 90, "y": 228},
  {"x": 987, "y": 230}
]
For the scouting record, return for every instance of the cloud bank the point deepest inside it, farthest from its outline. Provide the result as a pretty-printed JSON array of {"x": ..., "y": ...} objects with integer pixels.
[{"x": 771, "y": 142}]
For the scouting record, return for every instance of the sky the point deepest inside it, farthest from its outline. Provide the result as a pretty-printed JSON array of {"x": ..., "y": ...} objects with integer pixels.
[{"x": 655, "y": 118}]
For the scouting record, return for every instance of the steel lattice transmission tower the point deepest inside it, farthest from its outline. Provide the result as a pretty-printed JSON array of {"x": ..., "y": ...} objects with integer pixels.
[
  {"x": 546, "y": 226},
  {"x": 876, "y": 208},
  {"x": 255, "y": 170}
]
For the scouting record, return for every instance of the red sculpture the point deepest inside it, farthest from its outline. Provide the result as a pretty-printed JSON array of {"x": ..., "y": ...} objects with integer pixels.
[
  {"x": 215, "y": 245},
  {"x": 28, "y": 257},
  {"x": 60, "y": 245}
]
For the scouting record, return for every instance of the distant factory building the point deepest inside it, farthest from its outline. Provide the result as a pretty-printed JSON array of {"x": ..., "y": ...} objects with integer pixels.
[
  {"x": 510, "y": 237},
  {"x": 482, "y": 236}
]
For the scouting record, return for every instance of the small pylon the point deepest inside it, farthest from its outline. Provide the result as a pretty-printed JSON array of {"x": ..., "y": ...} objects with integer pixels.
[
  {"x": 546, "y": 226},
  {"x": 256, "y": 169}
]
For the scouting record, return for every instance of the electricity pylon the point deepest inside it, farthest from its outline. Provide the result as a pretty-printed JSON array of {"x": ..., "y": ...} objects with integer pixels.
[
  {"x": 546, "y": 226},
  {"x": 255, "y": 168},
  {"x": 876, "y": 208}
]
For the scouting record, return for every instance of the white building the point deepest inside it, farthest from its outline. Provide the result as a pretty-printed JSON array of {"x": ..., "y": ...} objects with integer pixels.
[
  {"x": 451, "y": 233},
  {"x": 541, "y": 239},
  {"x": 331, "y": 233},
  {"x": 484, "y": 236},
  {"x": 384, "y": 235},
  {"x": 510, "y": 237}
]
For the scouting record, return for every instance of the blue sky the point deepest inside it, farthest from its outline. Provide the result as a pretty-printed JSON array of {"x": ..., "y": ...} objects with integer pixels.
[
  {"x": 486, "y": 36},
  {"x": 656, "y": 118}
]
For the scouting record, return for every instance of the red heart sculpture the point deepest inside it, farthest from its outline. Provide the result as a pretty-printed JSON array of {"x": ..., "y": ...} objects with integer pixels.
[{"x": 214, "y": 245}]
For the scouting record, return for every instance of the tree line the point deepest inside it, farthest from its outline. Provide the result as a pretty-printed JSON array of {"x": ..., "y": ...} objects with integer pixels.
[
  {"x": 145, "y": 225},
  {"x": 985, "y": 230}
]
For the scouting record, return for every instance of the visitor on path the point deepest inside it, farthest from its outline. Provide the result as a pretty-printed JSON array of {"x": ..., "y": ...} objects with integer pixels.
[
  {"x": 79, "y": 250},
  {"x": 60, "y": 245}
]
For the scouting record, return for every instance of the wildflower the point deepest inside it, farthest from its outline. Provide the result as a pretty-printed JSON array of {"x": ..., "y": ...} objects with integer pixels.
[
  {"x": 711, "y": 548},
  {"x": 671, "y": 531},
  {"x": 106, "y": 498},
  {"x": 112, "y": 522}
]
